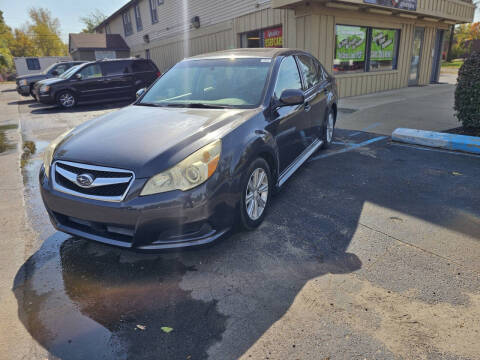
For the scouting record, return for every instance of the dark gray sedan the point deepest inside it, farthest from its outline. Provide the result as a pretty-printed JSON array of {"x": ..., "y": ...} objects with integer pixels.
[{"x": 201, "y": 150}]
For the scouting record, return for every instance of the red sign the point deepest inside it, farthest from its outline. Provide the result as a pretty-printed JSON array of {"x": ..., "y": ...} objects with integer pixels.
[{"x": 273, "y": 38}]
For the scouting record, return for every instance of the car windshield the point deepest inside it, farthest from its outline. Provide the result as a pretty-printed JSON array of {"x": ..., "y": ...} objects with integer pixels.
[
  {"x": 232, "y": 82},
  {"x": 69, "y": 72},
  {"x": 45, "y": 72}
]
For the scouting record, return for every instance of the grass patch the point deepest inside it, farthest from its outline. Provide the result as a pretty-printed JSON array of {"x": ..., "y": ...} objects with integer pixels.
[
  {"x": 8, "y": 127},
  {"x": 4, "y": 144},
  {"x": 453, "y": 64},
  {"x": 29, "y": 149}
]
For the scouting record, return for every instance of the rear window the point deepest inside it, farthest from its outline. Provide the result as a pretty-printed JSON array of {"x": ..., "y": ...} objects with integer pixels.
[
  {"x": 115, "y": 68},
  {"x": 142, "y": 66}
]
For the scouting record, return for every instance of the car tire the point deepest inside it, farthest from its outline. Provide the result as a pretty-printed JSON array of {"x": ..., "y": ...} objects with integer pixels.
[
  {"x": 32, "y": 94},
  {"x": 66, "y": 99},
  {"x": 256, "y": 190},
  {"x": 328, "y": 129}
]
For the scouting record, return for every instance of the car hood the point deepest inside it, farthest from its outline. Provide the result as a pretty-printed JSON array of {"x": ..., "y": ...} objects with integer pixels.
[
  {"x": 148, "y": 140},
  {"x": 49, "y": 81},
  {"x": 32, "y": 77}
]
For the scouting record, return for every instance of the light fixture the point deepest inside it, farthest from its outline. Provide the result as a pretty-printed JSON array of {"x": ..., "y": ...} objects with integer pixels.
[{"x": 195, "y": 22}]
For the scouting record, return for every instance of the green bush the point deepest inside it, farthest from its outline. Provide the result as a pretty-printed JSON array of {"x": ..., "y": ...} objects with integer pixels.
[{"x": 467, "y": 94}]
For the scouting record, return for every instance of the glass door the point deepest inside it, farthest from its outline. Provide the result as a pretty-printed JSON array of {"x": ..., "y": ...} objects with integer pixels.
[
  {"x": 437, "y": 57},
  {"x": 416, "y": 56}
]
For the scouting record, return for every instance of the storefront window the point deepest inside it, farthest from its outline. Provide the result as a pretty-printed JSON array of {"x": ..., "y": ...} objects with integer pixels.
[
  {"x": 383, "y": 49},
  {"x": 269, "y": 38},
  {"x": 361, "y": 49},
  {"x": 350, "y": 45}
]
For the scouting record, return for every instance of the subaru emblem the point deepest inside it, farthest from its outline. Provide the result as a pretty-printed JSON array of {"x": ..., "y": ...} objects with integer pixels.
[{"x": 85, "y": 180}]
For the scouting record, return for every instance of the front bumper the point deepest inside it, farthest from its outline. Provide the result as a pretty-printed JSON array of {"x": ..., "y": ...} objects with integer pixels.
[
  {"x": 23, "y": 90},
  {"x": 44, "y": 98},
  {"x": 169, "y": 220}
]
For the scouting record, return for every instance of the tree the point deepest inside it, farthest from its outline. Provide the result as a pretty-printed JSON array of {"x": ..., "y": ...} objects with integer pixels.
[
  {"x": 44, "y": 31},
  {"x": 467, "y": 93},
  {"x": 465, "y": 33},
  {"x": 92, "y": 20},
  {"x": 22, "y": 45},
  {"x": 6, "y": 40}
]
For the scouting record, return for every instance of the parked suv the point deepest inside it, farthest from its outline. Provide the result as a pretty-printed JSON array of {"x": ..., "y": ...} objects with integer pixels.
[
  {"x": 25, "y": 83},
  {"x": 98, "y": 81}
]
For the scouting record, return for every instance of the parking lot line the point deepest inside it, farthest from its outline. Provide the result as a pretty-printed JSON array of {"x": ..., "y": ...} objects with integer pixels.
[
  {"x": 365, "y": 129},
  {"x": 349, "y": 148}
]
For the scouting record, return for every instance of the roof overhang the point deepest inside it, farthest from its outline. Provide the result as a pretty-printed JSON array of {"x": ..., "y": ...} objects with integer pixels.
[{"x": 459, "y": 11}]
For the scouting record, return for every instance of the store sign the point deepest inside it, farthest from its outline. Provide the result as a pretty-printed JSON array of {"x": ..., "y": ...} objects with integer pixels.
[
  {"x": 273, "y": 38},
  {"x": 398, "y": 4},
  {"x": 350, "y": 43},
  {"x": 383, "y": 44}
]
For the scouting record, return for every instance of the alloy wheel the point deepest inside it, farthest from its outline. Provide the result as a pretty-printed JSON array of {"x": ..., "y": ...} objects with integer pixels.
[
  {"x": 67, "y": 100},
  {"x": 256, "y": 195},
  {"x": 330, "y": 127}
]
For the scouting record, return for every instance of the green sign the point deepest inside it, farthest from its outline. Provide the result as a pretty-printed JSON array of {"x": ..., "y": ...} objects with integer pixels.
[
  {"x": 383, "y": 44},
  {"x": 350, "y": 43}
]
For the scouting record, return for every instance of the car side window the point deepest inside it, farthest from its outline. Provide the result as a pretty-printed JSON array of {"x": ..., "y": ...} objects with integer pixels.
[
  {"x": 60, "y": 69},
  {"x": 321, "y": 73},
  {"x": 309, "y": 71},
  {"x": 141, "y": 66},
  {"x": 91, "y": 71},
  {"x": 288, "y": 77},
  {"x": 115, "y": 68}
]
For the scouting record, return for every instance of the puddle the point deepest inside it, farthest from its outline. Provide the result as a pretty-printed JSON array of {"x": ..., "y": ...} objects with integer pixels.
[{"x": 84, "y": 300}]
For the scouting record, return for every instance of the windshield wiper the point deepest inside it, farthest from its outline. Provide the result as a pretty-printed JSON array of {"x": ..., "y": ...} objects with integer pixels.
[
  {"x": 149, "y": 104},
  {"x": 197, "y": 105}
]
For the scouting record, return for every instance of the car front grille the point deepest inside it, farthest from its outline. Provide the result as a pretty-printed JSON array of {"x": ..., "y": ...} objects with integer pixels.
[{"x": 100, "y": 183}]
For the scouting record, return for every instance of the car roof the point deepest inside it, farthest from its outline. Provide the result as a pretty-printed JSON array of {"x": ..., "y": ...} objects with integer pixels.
[{"x": 247, "y": 53}]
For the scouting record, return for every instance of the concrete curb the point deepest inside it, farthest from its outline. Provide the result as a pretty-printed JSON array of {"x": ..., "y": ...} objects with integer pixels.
[{"x": 469, "y": 144}]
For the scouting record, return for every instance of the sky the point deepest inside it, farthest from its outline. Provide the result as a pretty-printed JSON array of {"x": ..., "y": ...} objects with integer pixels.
[{"x": 68, "y": 12}]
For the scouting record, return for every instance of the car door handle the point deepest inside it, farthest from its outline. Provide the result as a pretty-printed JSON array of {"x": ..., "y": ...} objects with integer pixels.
[{"x": 308, "y": 107}]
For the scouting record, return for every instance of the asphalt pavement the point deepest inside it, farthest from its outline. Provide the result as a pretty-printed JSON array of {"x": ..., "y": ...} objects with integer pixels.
[{"x": 370, "y": 251}]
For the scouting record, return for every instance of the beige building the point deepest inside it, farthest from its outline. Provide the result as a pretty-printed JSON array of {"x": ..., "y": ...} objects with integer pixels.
[{"x": 370, "y": 45}]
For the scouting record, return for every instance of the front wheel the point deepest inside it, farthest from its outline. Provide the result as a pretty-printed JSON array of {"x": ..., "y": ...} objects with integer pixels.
[
  {"x": 66, "y": 99},
  {"x": 328, "y": 129},
  {"x": 255, "y": 197}
]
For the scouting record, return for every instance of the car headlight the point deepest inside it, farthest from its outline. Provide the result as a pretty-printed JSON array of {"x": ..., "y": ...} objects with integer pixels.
[
  {"x": 188, "y": 173},
  {"x": 44, "y": 88},
  {"x": 50, "y": 151},
  {"x": 22, "y": 82}
]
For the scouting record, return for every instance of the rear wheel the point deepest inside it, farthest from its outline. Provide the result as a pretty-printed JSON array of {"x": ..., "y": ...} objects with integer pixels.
[
  {"x": 255, "y": 197},
  {"x": 328, "y": 129},
  {"x": 66, "y": 99}
]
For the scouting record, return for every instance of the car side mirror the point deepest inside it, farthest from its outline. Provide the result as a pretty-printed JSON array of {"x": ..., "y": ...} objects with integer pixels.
[
  {"x": 78, "y": 76},
  {"x": 55, "y": 73},
  {"x": 141, "y": 92},
  {"x": 292, "y": 97}
]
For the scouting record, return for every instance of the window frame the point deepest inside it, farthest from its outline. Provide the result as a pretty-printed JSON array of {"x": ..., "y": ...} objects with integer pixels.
[
  {"x": 36, "y": 63},
  {"x": 304, "y": 80},
  {"x": 153, "y": 11},
  {"x": 368, "y": 42},
  {"x": 278, "y": 73},
  {"x": 127, "y": 23},
  {"x": 138, "y": 17}
]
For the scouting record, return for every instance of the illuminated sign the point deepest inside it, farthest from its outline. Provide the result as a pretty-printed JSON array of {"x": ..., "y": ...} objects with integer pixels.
[{"x": 273, "y": 38}]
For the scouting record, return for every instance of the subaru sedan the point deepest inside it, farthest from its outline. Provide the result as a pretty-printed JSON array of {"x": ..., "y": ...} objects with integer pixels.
[{"x": 202, "y": 150}]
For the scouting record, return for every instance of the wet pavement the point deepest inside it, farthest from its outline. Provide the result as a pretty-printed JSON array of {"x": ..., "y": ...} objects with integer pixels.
[{"x": 369, "y": 251}]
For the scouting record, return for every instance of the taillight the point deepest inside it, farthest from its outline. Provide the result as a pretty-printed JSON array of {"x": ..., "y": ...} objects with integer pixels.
[{"x": 159, "y": 74}]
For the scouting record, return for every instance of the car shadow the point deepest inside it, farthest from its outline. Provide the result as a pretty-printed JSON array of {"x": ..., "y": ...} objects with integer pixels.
[
  {"x": 80, "y": 299},
  {"x": 21, "y": 102}
]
